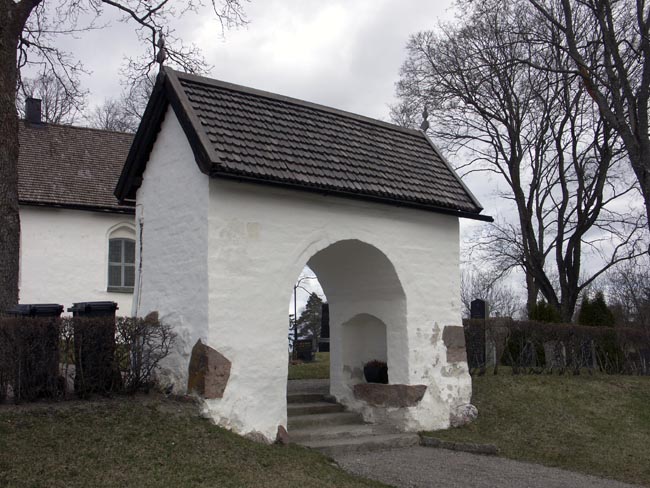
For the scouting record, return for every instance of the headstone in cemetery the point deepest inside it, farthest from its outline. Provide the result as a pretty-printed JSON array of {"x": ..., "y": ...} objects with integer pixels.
[
  {"x": 324, "y": 343},
  {"x": 478, "y": 309},
  {"x": 304, "y": 349},
  {"x": 475, "y": 335},
  {"x": 555, "y": 354}
]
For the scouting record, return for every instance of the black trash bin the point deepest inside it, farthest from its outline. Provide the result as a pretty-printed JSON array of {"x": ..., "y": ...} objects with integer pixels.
[
  {"x": 94, "y": 347},
  {"x": 31, "y": 347},
  {"x": 36, "y": 310},
  {"x": 93, "y": 309}
]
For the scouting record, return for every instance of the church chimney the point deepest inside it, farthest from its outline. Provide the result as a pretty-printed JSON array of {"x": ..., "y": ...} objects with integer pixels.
[{"x": 33, "y": 110}]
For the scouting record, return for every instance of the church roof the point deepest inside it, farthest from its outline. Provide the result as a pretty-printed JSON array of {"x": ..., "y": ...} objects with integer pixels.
[
  {"x": 251, "y": 135},
  {"x": 71, "y": 167}
]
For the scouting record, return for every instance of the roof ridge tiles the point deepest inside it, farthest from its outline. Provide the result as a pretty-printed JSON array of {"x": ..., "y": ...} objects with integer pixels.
[
  {"x": 286, "y": 99},
  {"x": 251, "y": 135}
]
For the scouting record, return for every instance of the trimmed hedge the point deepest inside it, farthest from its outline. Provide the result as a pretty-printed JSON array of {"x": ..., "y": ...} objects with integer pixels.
[
  {"x": 529, "y": 346},
  {"x": 103, "y": 355},
  {"x": 29, "y": 357}
]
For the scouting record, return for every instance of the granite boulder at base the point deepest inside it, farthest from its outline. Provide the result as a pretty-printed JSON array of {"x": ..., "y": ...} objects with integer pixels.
[
  {"x": 282, "y": 436},
  {"x": 463, "y": 415},
  {"x": 380, "y": 395},
  {"x": 209, "y": 372}
]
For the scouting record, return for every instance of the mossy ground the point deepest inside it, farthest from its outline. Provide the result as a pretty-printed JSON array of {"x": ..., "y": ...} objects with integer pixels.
[
  {"x": 596, "y": 424},
  {"x": 146, "y": 442},
  {"x": 318, "y": 369}
]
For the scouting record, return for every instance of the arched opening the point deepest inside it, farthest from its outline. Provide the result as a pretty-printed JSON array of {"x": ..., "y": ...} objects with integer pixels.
[
  {"x": 363, "y": 340},
  {"x": 367, "y": 313}
]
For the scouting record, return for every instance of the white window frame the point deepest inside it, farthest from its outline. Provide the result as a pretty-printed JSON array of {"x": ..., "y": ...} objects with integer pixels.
[{"x": 121, "y": 288}]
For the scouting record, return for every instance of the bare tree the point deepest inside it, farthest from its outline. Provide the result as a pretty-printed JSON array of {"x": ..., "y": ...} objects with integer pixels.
[
  {"x": 537, "y": 132},
  {"x": 29, "y": 30},
  {"x": 59, "y": 104},
  {"x": 136, "y": 95},
  {"x": 628, "y": 288},
  {"x": 113, "y": 115},
  {"x": 488, "y": 285},
  {"x": 608, "y": 42}
]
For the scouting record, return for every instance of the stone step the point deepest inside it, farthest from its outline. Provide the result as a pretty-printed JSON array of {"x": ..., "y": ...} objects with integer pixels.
[
  {"x": 339, "y": 418},
  {"x": 317, "y": 433},
  {"x": 305, "y": 397},
  {"x": 363, "y": 443},
  {"x": 295, "y": 409}
]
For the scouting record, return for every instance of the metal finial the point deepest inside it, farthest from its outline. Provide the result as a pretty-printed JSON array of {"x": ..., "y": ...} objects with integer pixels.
[
  {"x": 162, "y": 52},
  {"x": 425, "y": 122}
]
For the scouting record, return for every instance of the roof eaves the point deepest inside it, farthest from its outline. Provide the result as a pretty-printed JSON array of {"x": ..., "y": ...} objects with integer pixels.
[
  {"x": 131, "y": 176},
  {"x": 72, "y": 206},
  {"x": 453, "y": 172},
  {"x": 203, "y": 150},
  {"x": 357, "y": 196}
]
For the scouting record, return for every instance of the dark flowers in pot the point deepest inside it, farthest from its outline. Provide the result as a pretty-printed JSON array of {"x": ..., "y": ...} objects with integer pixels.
[{"x": 376, "y": 372}]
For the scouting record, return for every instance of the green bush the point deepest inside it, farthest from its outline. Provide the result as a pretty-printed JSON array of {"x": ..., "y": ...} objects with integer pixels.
[
  {"x": 595, "y": 312},
  {"x": 545, "y": 312}
]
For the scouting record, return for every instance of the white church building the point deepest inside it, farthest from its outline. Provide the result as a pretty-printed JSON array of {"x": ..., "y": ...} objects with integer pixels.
[
  {"x": 77, "y": 242},
  {"x": 235, "y": 190}
]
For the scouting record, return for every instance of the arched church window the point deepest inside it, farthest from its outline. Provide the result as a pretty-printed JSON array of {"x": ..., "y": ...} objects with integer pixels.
[{"x": 121, "y": 262}]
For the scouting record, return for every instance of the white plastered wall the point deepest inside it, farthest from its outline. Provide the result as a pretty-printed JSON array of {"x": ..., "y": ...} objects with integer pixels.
[
  {"x": 171, "y": 247},
  {"x": 220, "y": 257},
  {"x": 64, "y": 255},
  {"x": 261, "y": 237}
]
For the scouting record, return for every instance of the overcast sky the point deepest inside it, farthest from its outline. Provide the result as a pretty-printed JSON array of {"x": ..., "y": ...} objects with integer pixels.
[{"x": 344, "y": 54}]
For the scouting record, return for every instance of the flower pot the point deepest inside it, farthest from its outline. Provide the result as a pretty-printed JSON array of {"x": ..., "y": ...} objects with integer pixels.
[{"x": 376, "y": 373}]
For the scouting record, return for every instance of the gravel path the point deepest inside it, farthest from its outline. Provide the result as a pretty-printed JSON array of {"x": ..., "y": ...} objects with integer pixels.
[
  {"x": 308, "y": 386},
  {"x": 420, "y": 467}
]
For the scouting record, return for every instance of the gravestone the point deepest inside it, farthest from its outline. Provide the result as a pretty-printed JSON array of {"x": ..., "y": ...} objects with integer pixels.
[
  {"x": 324, "y": 343},
  {"x": 475, "y": 335},
  {"x": 478, "y": 309},
  {"x": 304, "y": 349},
  {"x": 555, "y": 354}
]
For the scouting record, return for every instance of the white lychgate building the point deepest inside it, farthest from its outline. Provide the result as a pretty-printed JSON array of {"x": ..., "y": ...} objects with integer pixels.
[
  {"x": 236, "y": 190},
  {"x": 77, "y": 242}
]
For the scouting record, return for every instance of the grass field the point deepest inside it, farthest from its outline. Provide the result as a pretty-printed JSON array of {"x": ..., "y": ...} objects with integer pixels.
[
  {"x": 316, "y": 370},
  {"x": 146, "y": 442},
  {"x": 592, "y": 424}
]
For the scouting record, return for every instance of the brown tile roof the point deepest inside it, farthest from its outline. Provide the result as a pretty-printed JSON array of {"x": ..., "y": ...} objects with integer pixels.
[
  {"x": 242, "y": 133},
  {"x": 72, "y": 167}
]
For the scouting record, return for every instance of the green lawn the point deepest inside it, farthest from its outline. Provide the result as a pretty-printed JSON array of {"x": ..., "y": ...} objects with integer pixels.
[
  {"x": 146, "y": 442},
  {"x": 316, "y": 370},
  {"x": 592, "y": 424}
]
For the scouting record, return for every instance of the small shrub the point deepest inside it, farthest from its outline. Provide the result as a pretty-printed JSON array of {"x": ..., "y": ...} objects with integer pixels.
[{"x": 141, "y": 344}]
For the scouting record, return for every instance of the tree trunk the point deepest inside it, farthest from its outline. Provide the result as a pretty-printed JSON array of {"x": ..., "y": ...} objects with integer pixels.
[
  {"x": 532, "y": 292},
  {"x": 641, "y": 165},
  {"x": 9, "y": 218}
]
